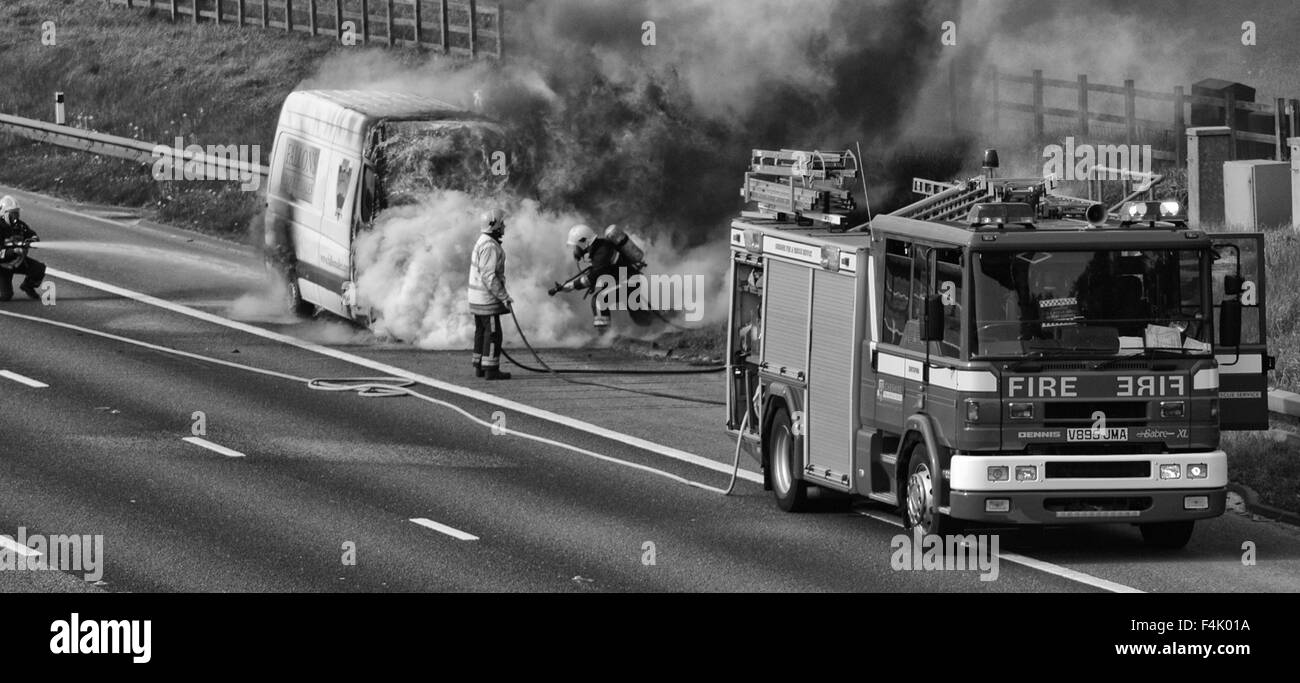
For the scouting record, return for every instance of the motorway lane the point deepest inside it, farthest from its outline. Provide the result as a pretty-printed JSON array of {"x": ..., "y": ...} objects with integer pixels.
[
  {"x": 99, "y": 451},
  {"x": 1113, "y": 553}
]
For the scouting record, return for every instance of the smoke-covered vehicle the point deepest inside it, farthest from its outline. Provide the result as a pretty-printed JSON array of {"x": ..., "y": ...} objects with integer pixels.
[{"x": 341, "y": 157}]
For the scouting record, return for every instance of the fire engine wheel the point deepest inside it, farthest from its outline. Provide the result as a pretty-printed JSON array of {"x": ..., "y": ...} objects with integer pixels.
[
  {"x": 921, "y": 509},
  {"x": 783, "y": 457},
  {"x": 1173, "y": 535}
]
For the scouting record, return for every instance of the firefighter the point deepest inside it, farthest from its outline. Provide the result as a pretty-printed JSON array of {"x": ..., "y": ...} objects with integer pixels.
[
  {"x": 14, "y": 236},
  {"x": 488, "y": 297},
  {"x": 596, "y": 257}
]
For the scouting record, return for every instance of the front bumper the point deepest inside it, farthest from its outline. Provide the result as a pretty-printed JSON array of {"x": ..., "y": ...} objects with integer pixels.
[{"x": 1087, "y": 507}]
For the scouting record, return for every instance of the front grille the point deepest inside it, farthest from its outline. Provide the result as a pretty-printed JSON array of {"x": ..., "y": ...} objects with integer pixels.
[
  {"x": 1050, "y": 365},
  {"x": 1097, "y": 469},
  {"x": 1065, "y": 413},
  {"x": 1082, "y": 506}
]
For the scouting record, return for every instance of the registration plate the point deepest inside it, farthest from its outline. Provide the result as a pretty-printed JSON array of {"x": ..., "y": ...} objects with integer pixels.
[{"x": 1088, "y": 434}]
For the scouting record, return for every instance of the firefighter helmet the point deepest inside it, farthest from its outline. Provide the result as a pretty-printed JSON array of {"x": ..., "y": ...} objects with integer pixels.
[
  {"x": 580, "y": 237},
  {"x": 494, "y": 220},
  {"x": 8, "y": 205}
]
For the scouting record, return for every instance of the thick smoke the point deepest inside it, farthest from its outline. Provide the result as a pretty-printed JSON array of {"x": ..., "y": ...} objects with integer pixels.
[{"x": 655, "y": 138}]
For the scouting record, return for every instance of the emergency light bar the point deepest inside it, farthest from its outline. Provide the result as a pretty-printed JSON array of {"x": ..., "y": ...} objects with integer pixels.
[{"x": 1151, "y": 212}]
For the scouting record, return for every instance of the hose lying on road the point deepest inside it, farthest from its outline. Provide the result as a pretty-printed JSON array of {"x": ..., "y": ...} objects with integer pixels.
[
  {"x": 387, "y": 387},
  {"x": 645, "y": 392}
]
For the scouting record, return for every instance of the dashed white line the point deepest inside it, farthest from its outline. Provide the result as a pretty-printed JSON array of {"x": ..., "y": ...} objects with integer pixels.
[
  {"x": 197, "y": 441},
  {"x": 444, "y": 529},
  {"x": 23, "y": 380},
  {"x": 1040, "y": 565},
  {"x": 16, "y": 547}
]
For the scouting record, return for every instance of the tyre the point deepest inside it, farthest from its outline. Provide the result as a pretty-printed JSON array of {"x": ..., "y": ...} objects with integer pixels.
[
  {"x": 293, "y": 298},
  {"x": 921, "y": 505},
  {"x": 783, "y": 464},
  {"x": 1173, "y": 535}
]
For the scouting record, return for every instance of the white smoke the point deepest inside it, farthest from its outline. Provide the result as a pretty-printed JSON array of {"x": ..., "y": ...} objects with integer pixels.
[{"x": 414, "y": 272}]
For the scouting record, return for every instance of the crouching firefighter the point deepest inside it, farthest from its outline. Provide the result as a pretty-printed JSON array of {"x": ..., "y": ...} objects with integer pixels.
[
  {"x": 15, "y": 239},
  {"x": 488, "y": 297},
  {"x": 606, "y": 266}
]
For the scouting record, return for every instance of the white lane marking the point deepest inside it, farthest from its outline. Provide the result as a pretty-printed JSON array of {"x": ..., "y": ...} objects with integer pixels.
[
  {"x": 547, "y": 415},
  {"x": 23, "y": 380},
  {"x": 415, "y": 394},
  {"x": 444, "y": 529},
  {"x": 16, "y": 547},
  {"x": 1040, "y": 565},
  {"x": 216, "y": 447}
]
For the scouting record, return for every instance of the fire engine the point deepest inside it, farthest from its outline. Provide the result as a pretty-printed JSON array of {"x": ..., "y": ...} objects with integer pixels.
[{"x": 994, "y": 353}]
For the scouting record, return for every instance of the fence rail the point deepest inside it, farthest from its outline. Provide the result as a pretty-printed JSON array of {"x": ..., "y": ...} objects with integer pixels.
[
  {"x": 456, "y": 27},
  {"x": 1285, "y": 112},
  {"x": 120, "y": 147}
]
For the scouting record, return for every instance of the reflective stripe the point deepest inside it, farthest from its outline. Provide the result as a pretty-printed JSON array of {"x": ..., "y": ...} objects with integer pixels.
[
  {"x": 1244, "y": 364},
  {"x": 1206, "y": 379},
  {"x": 948, "y": 378}
]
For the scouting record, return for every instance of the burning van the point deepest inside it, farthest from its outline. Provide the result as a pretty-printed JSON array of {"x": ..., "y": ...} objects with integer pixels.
[{"x": 340, "y": 158}]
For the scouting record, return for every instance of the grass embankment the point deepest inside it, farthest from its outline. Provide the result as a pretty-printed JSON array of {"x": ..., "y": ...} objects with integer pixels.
[{"x": 133, "y": 73}]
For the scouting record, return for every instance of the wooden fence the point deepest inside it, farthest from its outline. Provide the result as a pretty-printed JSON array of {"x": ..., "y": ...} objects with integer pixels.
[
  {"x": 1176, "y": 102},
  {"x": 444, "y": 25}
]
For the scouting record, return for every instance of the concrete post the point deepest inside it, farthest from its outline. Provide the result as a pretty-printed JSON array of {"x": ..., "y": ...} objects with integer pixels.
[{"x": 1207, "y": 148}]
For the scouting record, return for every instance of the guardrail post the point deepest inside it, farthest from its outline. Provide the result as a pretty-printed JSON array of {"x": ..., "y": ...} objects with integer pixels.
[
  {"x": 1038, "y": 104},
  {"x": 390, "y": 23},
  {"x": 338, "y": 19},
  {"x": 365, "y": 21},
  {"x": 1083, "y": 104},
  {"x": 196, "y": 10},
  {"x": 1279, "y": 132},
  {"x": 311, "y": 9},
  {"x": 216, "y": 15},
  {"x": 173, "y": 11},
  {"x": 1130, "y": 110},
  {"x": 288, "y": 16},
  {"x": 241, "y": 8},
  {"x": 266, "y": 13},
  {"x": 446, "y": 35},
  {"x": 418, "y": 20},
  {"x": 501, "y": 32},
  {"x": 473, "y": 28}
]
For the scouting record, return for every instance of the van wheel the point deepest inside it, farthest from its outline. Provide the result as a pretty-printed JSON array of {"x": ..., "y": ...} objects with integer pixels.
[
  {"x": 921, "y": 506},
  {"x": 293, "y": 298},
  {"x": 790, "y": 491},
  {"x": 1172, "y": 535}
]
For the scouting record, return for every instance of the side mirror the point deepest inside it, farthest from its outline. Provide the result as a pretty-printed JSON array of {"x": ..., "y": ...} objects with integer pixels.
[
  {"x": 932, "y": 326},
  {"x": 1230, "y": 312}
]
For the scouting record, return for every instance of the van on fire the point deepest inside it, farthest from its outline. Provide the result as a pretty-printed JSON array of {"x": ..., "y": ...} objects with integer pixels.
[
  {"x": 978, "y": 357},
  {"x": 341, "y": 157}
]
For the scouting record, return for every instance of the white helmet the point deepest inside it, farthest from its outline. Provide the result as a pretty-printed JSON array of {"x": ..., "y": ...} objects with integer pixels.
[
  {"x": 8, "y": 204},
  {"x": 580, "y": 237},
  {"x": 493, "y": 220}
]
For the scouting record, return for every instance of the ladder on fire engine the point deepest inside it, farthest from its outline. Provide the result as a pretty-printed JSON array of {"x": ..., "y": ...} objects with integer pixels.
[
  {"x": 950, "y": 201},
  {"x": 804, "y": 186}
]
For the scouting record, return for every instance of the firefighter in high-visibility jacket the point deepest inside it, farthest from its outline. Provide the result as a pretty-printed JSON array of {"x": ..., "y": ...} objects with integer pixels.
[{"x": 488, "y": 297}]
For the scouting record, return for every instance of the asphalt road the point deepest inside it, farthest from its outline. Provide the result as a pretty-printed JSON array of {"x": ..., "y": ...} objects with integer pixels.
[{"x": 100, "y": 450}]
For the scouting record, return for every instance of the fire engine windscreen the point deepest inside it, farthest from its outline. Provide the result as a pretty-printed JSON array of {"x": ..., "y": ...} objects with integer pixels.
[{"x": 1088, "y": 303}]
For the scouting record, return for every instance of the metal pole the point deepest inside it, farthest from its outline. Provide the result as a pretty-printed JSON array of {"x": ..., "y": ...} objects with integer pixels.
[
  {"x": 446, "y": 35},
  {"x": 418, "y": 20},
  {"x": 1130, "y": 109},
  {"x": 390, "y": 23},
  {"x": 1083, "y": 104},
  {"x": 473, "y": 28},
  {"x": 1180, "y": 125},
  {"x": 1038, "y": 104}
]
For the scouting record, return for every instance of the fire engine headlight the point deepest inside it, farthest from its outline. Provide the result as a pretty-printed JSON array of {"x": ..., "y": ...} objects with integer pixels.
[
  {"x": 1022, "y": 411},
  {"x": 1198, "y": 471},
  {"x": 972, "y": 410},
  {"x": 1170, "y": 208},
  {"x": 998, "y": 473},
  {"x": 1171, "y": 471},
  {"x": 1173, "y": 409},
  {"x": 1026, "y": 472}
]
